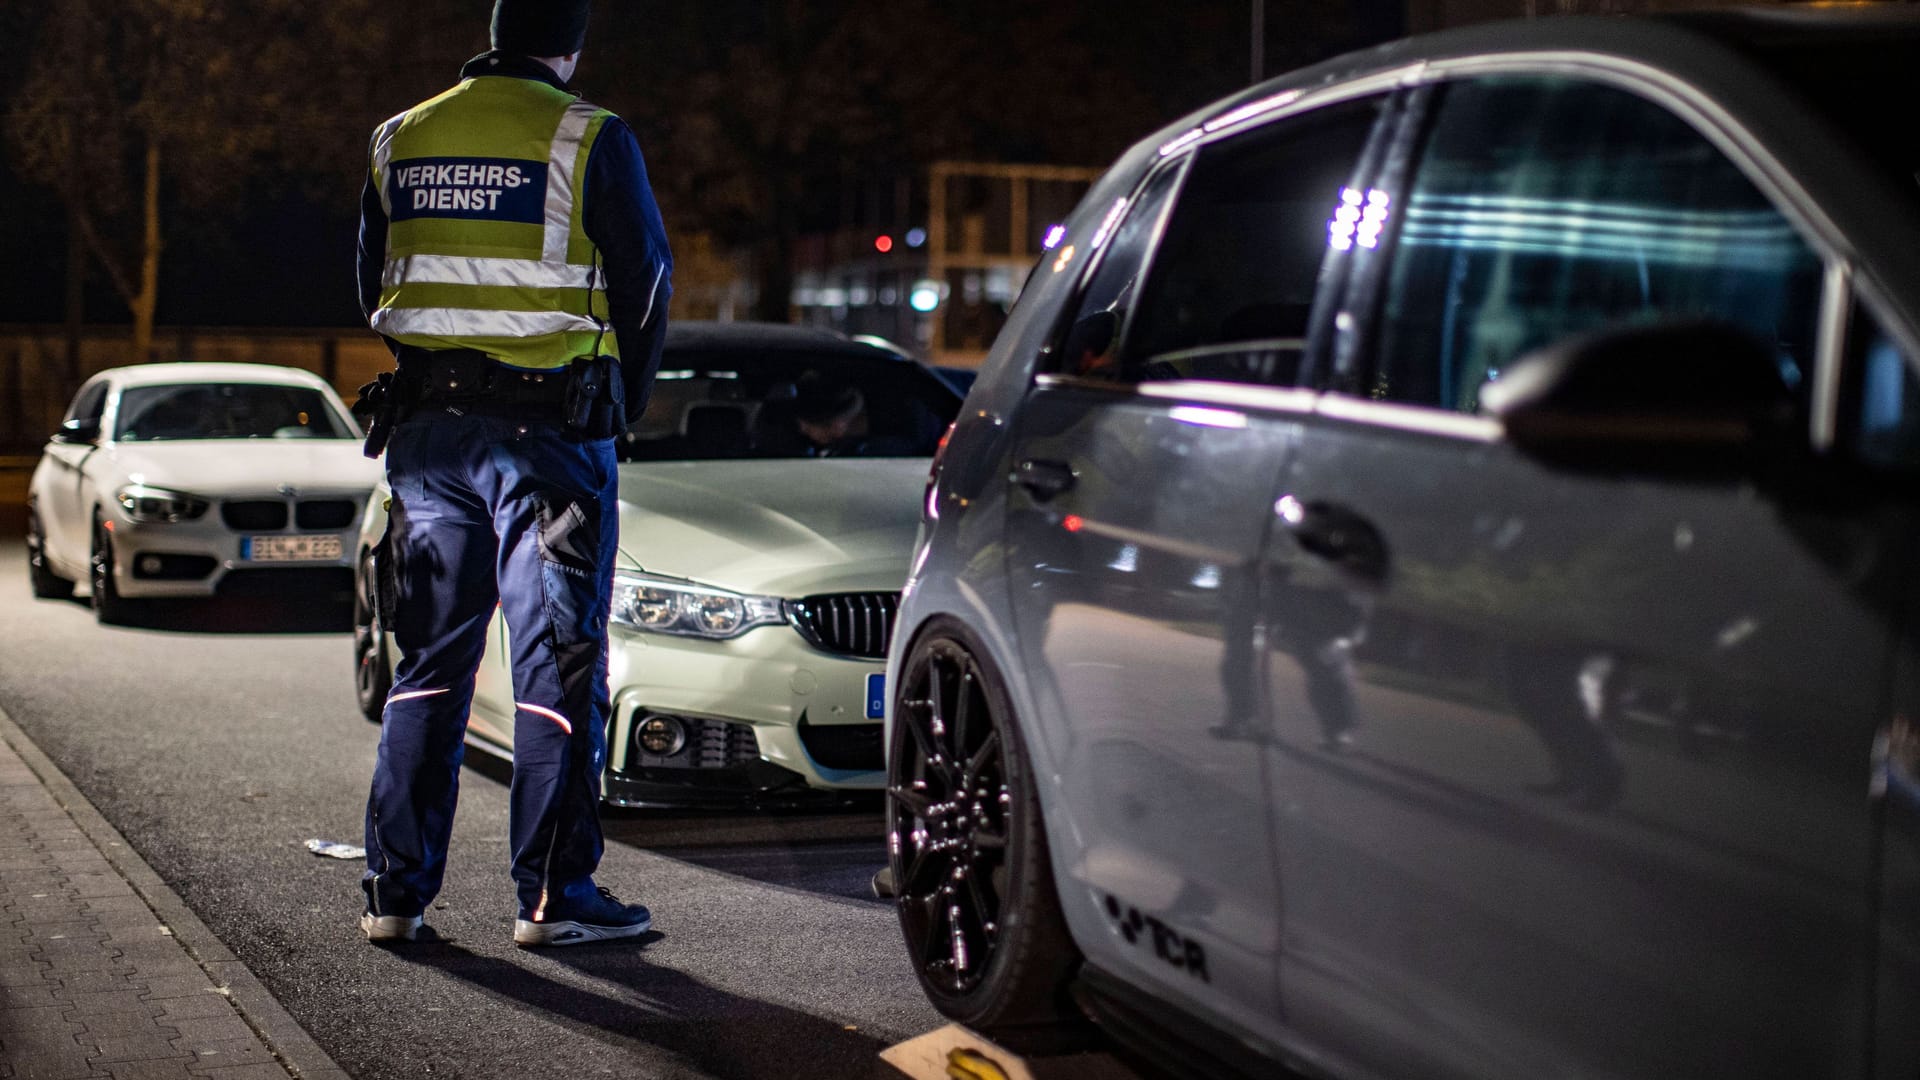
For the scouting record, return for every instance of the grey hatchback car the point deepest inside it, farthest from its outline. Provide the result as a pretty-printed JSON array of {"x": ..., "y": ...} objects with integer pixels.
[{"x": 1423, "y": 584}]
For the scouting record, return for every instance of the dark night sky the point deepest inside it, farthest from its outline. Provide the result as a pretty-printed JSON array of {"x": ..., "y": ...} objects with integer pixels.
[{"x": 281, "y": 256}]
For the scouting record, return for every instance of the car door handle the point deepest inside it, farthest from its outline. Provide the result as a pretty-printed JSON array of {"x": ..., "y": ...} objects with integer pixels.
[
  {"x": 1044, "y": 478},
  {"x": 1336, "y": 534}
]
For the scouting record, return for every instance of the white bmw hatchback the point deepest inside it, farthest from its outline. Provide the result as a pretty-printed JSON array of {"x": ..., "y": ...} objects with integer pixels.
[{"x": 181, "y": 480}]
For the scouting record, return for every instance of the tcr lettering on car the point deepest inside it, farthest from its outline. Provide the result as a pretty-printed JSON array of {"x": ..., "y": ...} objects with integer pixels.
[{"x": 1168, "y": 944}]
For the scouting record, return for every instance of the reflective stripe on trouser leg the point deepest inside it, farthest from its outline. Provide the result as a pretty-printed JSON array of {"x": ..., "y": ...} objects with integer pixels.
[
  {"x": 558, "y": 534},
  {"x": 442, "y": 552}
]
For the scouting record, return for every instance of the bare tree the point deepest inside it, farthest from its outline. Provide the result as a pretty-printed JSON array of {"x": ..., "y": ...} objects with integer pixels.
[{"x": 130, "y": 106}]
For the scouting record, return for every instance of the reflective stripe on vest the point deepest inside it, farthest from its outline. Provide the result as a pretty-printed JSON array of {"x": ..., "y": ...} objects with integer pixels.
[
  {"x": 462, "y": 266},
  {"x": 566, "y": 150},
  {"x": 511, "y": 273},
  {"x": 404, "y": 323}
]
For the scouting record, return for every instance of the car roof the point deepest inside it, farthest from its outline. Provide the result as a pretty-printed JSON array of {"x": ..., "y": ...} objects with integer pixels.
[
  {"x": 171, "y": 373},
  {"x": 1668, "y": 41},
  {"x": 767, "y": 337},
  {"x": 1718, "y": 56}
]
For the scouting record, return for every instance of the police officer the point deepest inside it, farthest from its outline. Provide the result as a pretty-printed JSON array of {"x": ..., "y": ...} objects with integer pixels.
[{"x": 513, "y": 257}]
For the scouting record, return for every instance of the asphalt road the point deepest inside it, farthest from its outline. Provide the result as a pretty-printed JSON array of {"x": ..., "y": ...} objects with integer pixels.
[{"x": 221, "y": 739}]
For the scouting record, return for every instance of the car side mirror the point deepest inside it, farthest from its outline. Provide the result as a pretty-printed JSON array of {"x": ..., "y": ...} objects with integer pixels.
[
  {"x": 1666, "y": 397},
  {"x": 78, "y": 430}
]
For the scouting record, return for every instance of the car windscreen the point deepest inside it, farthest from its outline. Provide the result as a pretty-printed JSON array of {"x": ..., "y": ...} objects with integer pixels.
[
  {"x": 1866, "y": 87},
  {"x": 717, "y": 404},
  {"x": 226, "y": 411}
]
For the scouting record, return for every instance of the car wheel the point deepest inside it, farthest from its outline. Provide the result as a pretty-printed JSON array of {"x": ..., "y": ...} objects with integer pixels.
[
  {"x": 47, "y": 585},
  {"x": 108, "y": 606},
  {"x": 967, "y": 848},
  {"x": 372, "y": 668}
]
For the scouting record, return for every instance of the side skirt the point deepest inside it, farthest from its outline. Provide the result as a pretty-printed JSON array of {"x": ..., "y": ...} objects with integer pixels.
[{"x": 1175, "y": 1041}]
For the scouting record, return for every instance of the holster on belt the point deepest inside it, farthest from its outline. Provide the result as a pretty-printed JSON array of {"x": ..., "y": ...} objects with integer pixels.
[
  {"x": 378, "y": 408},
  {"x": 593, "y": 391}
]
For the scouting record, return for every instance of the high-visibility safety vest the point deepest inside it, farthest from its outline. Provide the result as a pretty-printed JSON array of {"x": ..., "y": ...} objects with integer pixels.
[{"x": 484, "y": 190}]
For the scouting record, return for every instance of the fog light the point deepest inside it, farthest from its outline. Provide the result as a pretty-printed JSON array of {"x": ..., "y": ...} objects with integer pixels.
[
  {"x": 150, "y": 565},
  {"x": 662, "y": 736}
]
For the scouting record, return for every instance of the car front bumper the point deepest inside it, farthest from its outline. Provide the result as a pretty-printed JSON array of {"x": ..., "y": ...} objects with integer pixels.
[
  {"x": 767, "y": 718},
  {"x": 204, "y": 557}
]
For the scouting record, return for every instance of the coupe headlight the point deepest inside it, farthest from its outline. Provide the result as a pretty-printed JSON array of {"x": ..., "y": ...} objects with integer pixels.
[
  {"x": 151, "y": 504},
  {"x": 671, "y": 606}
]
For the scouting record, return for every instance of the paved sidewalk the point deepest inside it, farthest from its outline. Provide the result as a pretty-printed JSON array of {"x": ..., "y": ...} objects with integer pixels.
[{"x": 104, "y": 972}]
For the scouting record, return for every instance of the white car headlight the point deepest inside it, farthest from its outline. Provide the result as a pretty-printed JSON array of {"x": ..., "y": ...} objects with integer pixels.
[
  {"x": 664, "y": 605},
  {"x": 151, "y": 504}
]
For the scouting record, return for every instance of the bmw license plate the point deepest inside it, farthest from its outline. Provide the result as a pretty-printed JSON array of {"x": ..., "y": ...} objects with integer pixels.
[
  {"x": 876, "y": 696},
  {"x": 289, "y": 548}
]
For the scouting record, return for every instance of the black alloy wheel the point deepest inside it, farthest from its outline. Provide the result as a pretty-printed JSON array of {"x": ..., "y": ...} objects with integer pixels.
[
  {"x": 372, "y": 667},
  {"x": 47, "y": 585},
  {"x": 108, "y": 606},
  {"x": 968, "y": 852}
]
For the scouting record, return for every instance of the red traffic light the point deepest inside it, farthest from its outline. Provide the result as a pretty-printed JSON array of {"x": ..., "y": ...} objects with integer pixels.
[{"x": 883, "y": 244}]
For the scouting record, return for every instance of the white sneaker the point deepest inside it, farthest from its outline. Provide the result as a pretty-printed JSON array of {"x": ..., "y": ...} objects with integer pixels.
[{"x": 385, "y": 928}]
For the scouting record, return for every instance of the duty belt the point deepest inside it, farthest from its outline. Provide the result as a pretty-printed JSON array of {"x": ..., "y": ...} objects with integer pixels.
[
  {"x": 464, "y": 377},
  {"x": 584, "y": 396}
]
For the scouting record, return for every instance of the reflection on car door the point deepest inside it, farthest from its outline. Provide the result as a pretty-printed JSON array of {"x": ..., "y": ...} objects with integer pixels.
[
  {"x": 1604, "y": 738},
  {"x": 1133, "y": 602},
  {"x": 1143, "y": 467},
  {"x": 1880, "y": 429}
]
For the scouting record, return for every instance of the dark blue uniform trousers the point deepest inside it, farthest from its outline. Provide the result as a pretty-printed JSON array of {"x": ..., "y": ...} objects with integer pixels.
[{"x": 487, "y": 510}]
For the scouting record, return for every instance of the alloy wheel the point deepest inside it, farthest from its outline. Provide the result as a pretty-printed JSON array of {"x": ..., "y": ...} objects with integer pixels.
[
  {"x": 108, "y": 607},
  {"x": 46, "y": 584},
  {"x": 36, "y": 544},
  {"x": 100, "y": 566},
  {"x": 949, "y": 813}
]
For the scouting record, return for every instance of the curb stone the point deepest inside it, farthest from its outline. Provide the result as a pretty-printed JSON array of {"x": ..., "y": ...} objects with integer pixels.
[{"x": 301, "y": 1057}]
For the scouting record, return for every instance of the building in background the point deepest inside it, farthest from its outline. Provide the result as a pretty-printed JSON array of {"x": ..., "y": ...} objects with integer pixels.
[{"x": 934, "y": 265}]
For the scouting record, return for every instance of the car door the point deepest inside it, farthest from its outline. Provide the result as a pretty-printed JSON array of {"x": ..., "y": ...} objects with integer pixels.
[
  {"x": 1593, "y": 800},
  {"x": 1880, "y": 426},
  {"x": 493, "y": 700},
  {"x": 1145, "y": 458},
  {"x": 67, "y": 521}
]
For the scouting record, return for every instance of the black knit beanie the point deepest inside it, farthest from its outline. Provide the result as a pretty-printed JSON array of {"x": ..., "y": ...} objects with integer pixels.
[{"x": 540, "y": 27}]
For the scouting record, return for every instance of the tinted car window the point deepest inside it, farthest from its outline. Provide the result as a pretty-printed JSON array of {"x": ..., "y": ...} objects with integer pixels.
[
  {"x": 711, "y": 405},
  {"x": 1886, "y": 396},
  {"x": 1231, "y": 288},
  {"x": 226, "y": 411},
  {"x": 961, "y": 379},
  {"x": 1091, "y": 345},
  {"x": 1543, "y": 208}
]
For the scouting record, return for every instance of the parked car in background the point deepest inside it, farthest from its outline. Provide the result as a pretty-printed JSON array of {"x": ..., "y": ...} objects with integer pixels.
[
  {"x": 768, "y": 503},
  {"x": 183, "y": 480},
  {"x": 1422, "y": 584}
]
